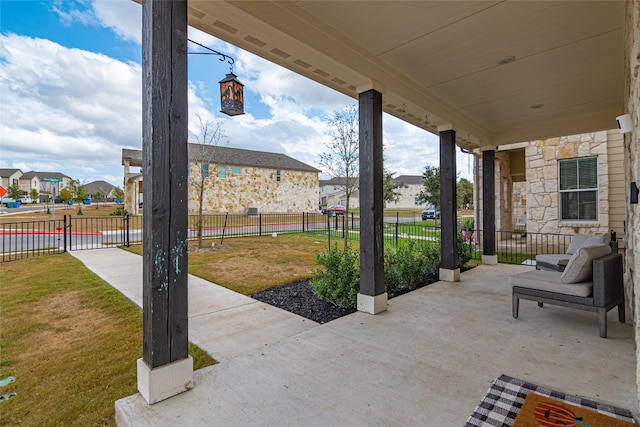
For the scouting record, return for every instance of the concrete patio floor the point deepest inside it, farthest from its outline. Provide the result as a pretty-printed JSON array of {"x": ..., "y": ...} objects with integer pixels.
[{"x": 427, "y": 361}]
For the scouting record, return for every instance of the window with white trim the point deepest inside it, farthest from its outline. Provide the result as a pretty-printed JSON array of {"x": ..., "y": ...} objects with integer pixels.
[
  {"x": 236, "y": 170},
  {"x": 205, "y": 169},
  {"x": 278, "y": 177},
  {"x": 579, "y": 189},
  {"x": 222, "y": 172}
]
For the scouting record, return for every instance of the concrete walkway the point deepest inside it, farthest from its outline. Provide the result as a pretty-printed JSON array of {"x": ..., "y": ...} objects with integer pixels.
[
  {"x": 223, "y": 323},
  {"x": 427, "y": 361}
]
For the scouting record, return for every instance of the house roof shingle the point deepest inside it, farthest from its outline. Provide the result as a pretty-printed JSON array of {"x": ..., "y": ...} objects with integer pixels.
[
  {"x": 233, "y": 156},
  {"x": 6, "y": 173},
  {"x": 409, "y": 179},
  {"x": 102, "y": 187}
]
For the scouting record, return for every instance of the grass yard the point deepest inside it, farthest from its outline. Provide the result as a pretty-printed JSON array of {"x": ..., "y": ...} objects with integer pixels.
[
  {"x": 71, "y": 341},
  {"x": 251, "y": 264}
]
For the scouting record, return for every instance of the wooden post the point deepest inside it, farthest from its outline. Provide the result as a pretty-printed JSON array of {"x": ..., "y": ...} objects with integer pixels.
[
  {"x": 164, "y": 167},
  {"x": 488, "y": 208},
  {"x": 449, "y": 270},
  {"x": 372, "y": 298}
]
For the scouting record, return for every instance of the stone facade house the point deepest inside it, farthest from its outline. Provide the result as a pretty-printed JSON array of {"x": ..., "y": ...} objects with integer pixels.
[
  {"x": 235, "y": 181},
  {"x": 562, "y": 185}
]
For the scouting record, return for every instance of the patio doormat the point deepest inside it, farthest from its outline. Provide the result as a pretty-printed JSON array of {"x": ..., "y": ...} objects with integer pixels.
[{"x": 505, "y": 398}]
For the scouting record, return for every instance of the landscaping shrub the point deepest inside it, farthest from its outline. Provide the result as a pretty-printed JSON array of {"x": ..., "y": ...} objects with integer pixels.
[
  {"x": 405, "y": 267},
  {"x": 339, "y": 281},
  {"x": 119, "y": 212}
]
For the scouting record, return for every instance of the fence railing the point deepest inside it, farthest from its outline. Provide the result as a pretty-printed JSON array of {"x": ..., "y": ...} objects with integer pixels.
[{"x": 33, "y": 238}]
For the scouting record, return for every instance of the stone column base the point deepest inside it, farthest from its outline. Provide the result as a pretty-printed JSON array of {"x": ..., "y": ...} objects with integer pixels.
[
  {"x": 447, "y": 275},
  {"x": 372, "y": 304},
  {"x": 164, "y": 381},
  {"x": 490, "y": 259}
]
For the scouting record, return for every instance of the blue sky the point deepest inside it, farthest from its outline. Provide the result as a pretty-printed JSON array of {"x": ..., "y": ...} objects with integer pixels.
[{"x": 70, "y": 95}]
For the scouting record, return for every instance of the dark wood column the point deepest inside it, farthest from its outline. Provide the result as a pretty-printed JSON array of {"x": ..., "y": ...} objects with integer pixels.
[
  {"x": 448, "y": 201},
  {"x": 371, "y": 203},
  {"x": 164, "y": 167},
  {"x": 488, "y": 203}
]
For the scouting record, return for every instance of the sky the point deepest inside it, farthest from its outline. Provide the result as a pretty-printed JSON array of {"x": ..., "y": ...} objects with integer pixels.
[{"x": 70, "y": 96}]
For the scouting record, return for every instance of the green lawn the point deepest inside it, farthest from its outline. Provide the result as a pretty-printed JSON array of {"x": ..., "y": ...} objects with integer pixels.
[{"x": 70, "y": 340}]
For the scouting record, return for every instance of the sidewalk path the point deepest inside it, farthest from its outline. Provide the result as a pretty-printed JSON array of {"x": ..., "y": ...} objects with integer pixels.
[{"x": 223, "y": 323}]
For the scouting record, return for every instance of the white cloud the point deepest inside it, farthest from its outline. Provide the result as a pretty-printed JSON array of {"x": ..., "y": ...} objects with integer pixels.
[{"x": 124, "y": 17}]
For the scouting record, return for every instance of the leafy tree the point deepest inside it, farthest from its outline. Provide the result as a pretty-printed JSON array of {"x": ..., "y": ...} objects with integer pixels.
[
  {"x": 98, "y": 196},
  {"x": 81, "y": 192},
  {"x": 341, "y": 159},
  {"x": 65, "y": 194},
  {"x": 34, "y": 194},
  {"x": 118, "y": 193},
  {"x": 14, "y": 192},
  {"x": 464, "y": 193},
  {"x": 210, "y": 136},
  {"x": 430, "y": 194},
  {"x": 389, "y": 193}
]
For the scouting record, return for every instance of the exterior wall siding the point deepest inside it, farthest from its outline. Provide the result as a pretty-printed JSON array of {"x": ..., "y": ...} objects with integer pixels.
[
  {"x": 406, "y": 198},
  {"x": 297, "y": 191}
]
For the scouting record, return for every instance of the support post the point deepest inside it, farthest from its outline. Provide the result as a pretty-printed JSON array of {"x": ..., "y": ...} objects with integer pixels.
[
  {"x": 449, "y": 270},
  {"x": 489, "y": 255},
  {"x": 372, "y": 298},
  {"x": 165, "y": 368}
]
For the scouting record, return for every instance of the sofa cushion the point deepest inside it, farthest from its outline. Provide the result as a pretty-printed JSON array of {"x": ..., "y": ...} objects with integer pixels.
[
  {"x": 553, "y": 259},
  {"x": 579, "y": 240},
  {"x": 550, "y": 281},
  {"x": 580, "y": 265}
]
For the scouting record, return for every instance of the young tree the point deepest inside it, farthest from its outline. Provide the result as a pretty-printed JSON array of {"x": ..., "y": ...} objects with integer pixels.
[
  {"x": 14, "y": 192},
  {"x": 81, "y": 192},
  {"x": 464, "y": 193},
  {"x": 65, "y": 194},
  {"x": 118, "y": 193},
  {"x": 341, "y": 159},
  {"x": 389, "y": 193},
  {"x": 203, "y": 153},
  {"x": 430, "y": 194},
  {"x": 34, "y": 195}
]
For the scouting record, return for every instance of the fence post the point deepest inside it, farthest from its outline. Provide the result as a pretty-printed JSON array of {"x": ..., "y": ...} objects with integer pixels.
[
  {"x": 64, "y": 238},
  {"x": 126, "y": 225},
  {"x": 260, "y": 224},
  {"x": 396, "y": 231},
  {"x": 303, "y": 222}
]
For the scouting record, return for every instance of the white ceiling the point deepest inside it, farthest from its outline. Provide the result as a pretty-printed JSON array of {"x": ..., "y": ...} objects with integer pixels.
[{"x": 436, "y": 62}]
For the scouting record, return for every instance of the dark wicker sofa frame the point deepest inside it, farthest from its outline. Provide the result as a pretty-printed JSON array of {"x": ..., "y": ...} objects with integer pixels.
[{"x": 608, "y": 292}]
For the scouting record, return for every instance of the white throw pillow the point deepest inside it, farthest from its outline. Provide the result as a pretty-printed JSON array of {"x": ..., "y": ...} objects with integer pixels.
[{"x": 580, "y": 265}]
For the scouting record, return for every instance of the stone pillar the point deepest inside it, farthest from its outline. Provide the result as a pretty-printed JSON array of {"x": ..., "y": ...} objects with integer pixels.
[{"x": 372, "y": 298}]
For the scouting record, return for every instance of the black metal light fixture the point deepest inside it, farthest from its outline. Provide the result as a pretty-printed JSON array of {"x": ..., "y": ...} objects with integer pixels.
[{"x": 231, "y": 89}]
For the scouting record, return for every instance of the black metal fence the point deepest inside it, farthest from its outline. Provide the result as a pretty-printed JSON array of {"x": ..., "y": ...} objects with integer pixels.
[{"x": 33, "y": 238}]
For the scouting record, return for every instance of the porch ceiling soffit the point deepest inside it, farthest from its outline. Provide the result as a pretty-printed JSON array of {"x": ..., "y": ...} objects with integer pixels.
[{"x": 437, "y": 60}]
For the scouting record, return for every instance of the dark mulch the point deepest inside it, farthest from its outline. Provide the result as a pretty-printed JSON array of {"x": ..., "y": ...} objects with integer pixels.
[{"x": 298, "y": 298}]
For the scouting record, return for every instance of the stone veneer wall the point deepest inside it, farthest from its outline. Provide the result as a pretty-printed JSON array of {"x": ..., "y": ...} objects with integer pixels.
[
  {"x": 519, "y": 200},
  {"x": 632, "y": 167},
  {"x": 297, "y": 191},
  {"x": 504, "y": 200},
  {"x": 543, "y": 199}
]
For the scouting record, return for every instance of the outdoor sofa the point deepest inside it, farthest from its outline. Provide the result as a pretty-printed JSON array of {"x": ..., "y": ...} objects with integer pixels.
[
  {"x": 558, "y": 262},
  {"x": 592, "y": 280}
]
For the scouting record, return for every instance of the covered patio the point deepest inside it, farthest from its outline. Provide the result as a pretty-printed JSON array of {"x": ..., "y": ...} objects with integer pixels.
[
  {"x": 427, "y": 361},
  {"x": 480, "y": 75}
]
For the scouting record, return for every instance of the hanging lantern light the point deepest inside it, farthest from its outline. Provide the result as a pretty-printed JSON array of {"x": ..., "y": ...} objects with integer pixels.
[
  {"x": 231, "y": 95},
  {"x": 231, "y": 90}
]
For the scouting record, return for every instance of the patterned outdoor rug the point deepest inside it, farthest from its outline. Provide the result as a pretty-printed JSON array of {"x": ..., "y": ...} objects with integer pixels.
[{"x": 507, "y": 395}]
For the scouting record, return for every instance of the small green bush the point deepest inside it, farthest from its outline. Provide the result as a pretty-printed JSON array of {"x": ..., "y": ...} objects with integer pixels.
[
  {"x": 339, "y": 281},
  {"x": 119, "y": 212},
  {"x": 404, "y": 267}
]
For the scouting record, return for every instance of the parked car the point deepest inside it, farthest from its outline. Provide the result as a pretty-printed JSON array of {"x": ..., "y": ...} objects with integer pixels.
[
  {"x": 430, "y": 213},
  {"x": 26, "y": 199},
  {"x": 335, "y": 209}
]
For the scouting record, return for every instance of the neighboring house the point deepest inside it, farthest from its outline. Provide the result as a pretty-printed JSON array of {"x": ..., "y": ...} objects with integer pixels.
[
  {"x": 34, "y": 180},
  {"x": 562, "y": 185},
  {"x": 332, "y": 193},
  {"x": 238, "y": 180},
  {"x": 408, "y": 192},
  {"x": 10, "y": 177},
  {"x": 100, "y": 187}
]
